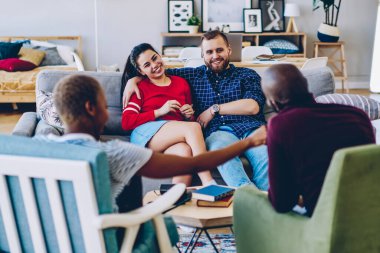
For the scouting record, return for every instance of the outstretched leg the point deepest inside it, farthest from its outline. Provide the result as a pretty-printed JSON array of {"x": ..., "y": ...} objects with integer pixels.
[
  {"x": 232, "y": 171},
  {"x": 175, "y": 132}
]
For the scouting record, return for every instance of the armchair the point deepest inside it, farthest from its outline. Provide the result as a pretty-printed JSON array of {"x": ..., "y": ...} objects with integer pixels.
[
  {"x": 57, "y": 198},
  {"x": 346, "y": 218}
]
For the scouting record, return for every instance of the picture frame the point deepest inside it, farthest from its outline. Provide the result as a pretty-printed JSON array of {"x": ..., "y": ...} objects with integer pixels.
[
  {"x": 179, "y": 11},
  {"x": 272, "y": 15},
  {"x": 252, "y": 20},
  {"x": 224, "y": 13}
]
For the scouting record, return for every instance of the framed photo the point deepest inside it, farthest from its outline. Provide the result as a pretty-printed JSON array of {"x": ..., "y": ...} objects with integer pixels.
[
  {"x": 219, "y": 13},
  {"x": 179, "y": 11},
  {"x": 252, "y": 21},
  {"x": 273, "y": 15}
]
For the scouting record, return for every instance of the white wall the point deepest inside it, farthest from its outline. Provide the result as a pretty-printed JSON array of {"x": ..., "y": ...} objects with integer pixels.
[
  {"x": 125, "y": 23},
  {"x": 50, "y": 18}
]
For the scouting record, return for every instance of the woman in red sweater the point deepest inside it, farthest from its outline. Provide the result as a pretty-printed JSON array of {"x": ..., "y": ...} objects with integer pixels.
[{"x": 162, "y": 119}]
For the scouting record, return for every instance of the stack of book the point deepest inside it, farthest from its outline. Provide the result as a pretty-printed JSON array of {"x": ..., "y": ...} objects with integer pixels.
[{"x": 214, "y": 196}]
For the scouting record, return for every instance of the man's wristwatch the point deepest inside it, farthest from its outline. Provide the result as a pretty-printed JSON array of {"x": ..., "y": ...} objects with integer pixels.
[{"x": 215, "y": 108}]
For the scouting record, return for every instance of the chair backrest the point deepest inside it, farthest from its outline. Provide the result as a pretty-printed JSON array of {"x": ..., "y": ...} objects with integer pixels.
[
  {"x": 348, "y": 205},
  {"x": 313, "y": 63},
  {"x": 250, "y": 53},
  {"x": 47, "y": 197},
  {"x": 195, "y": 62},
  {"x": 190, "y": 53}
]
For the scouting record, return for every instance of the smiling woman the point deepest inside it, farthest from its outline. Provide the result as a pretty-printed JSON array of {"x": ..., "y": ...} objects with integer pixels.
[{"x": 160, "y": 119}]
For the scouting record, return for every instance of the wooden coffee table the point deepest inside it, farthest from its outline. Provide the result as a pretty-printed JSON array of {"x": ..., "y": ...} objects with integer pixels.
[{"x": 200, "y": 218}]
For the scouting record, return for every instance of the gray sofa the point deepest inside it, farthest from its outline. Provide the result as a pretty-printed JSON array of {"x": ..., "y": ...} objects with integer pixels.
[{"x": 320, "y": 81}]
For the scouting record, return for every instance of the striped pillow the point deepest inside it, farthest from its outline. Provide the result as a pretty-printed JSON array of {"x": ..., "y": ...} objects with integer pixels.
[{"x": 369, "y": 105}]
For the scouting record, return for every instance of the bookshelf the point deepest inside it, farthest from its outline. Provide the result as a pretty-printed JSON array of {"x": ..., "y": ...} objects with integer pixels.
[{"x": 255, "y": 39}]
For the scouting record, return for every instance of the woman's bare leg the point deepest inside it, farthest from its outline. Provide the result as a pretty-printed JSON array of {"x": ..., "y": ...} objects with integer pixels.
[
  {"x": 175, "y": 132},
  {"x": 181, "y": 149}
]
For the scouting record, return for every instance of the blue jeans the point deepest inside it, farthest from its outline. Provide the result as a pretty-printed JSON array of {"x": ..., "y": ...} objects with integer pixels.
[{"x": 232, "y": 171}]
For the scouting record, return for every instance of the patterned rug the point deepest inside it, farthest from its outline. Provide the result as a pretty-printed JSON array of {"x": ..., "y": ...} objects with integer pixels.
[{"x": 225, "y": 243}]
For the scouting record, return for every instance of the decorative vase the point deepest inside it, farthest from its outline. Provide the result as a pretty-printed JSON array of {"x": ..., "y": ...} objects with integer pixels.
[
  {"x": 328, "y": 33},
  {"x": 193, "y": 28}
]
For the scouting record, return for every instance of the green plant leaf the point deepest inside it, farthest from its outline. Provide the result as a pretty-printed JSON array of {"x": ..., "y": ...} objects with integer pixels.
[{"x": 194, "y": 20}]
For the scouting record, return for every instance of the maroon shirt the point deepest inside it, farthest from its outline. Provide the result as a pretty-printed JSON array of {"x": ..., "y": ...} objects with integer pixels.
[{"x": 301, "y": 142}]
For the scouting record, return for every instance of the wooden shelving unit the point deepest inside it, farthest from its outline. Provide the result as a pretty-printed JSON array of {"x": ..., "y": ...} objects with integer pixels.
[{"x": 256, "y": 39}]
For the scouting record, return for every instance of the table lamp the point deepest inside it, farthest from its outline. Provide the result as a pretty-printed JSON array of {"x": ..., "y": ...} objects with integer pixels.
[{"x": 292, "y": 10}]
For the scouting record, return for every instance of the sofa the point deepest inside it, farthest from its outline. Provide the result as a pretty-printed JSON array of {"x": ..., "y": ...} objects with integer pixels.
[{"x": 320, "y": 81}]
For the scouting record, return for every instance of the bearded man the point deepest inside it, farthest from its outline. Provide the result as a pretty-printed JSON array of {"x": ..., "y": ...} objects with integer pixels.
[{"x": 228, "y": 102}]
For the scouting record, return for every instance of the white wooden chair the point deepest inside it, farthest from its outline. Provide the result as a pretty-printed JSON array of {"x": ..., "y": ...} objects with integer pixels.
[
  {"x": 190, "y": 53},
  {"x": 53, "y": 172},
  {"x": 317, "y": 62},
  {"x": 250, "y": 53}
]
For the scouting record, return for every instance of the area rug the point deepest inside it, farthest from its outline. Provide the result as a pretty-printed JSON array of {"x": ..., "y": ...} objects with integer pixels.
[{"x": 225, "y": 243}]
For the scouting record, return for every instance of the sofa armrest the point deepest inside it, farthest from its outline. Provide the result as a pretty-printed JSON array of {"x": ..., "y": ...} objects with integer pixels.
[{"x": 26, "y": 125}]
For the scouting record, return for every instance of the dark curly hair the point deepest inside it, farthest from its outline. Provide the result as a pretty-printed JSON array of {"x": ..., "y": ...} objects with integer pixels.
[{"x": 71, "y": 94}]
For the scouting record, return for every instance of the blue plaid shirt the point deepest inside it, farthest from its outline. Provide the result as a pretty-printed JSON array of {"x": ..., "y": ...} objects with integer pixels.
[{"x": 232, "y": 84}]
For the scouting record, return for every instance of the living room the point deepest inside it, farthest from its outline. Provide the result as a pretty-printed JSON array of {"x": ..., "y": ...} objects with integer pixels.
[{"x": 108, "y": 31}]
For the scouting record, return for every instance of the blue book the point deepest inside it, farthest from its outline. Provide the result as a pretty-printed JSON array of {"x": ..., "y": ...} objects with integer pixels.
[{"x": 213, "y": 192}]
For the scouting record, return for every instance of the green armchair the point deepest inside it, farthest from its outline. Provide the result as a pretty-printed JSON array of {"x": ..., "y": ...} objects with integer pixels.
[{"x": 346, "y": 218}]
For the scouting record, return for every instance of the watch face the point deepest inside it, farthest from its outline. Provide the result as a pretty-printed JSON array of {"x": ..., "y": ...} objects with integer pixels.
[{"x": 215, "y": 108}]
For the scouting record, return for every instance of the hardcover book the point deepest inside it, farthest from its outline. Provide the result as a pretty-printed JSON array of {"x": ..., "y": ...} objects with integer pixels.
[
  {"x": 224, "y": 202},
  {"x": 213, "y": 192}
]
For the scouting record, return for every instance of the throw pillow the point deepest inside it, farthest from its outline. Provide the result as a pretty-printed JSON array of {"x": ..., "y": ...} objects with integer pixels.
[
  {"x": 280, "y": 46},
  {"x": 47, "y": 111},
  {"x": 63, "y": 50},
  {"x": 368, "y": 105},
  {"x": 15, "y": 64},
  {"x": 51, "y": 57},
  {"x": 32, "y": 55},
  {"x": 9, "y": 49}
]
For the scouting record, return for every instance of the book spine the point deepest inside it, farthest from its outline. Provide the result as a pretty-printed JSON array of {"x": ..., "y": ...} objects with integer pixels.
[{"x": 224, "y": 195}]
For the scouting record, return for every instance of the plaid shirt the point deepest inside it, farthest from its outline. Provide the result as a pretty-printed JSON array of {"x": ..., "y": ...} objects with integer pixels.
[{"x": 209, "y": 88}]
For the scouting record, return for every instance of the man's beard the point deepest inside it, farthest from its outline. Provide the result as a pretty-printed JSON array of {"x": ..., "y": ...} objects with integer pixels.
[{"x": 219, "y": 68}]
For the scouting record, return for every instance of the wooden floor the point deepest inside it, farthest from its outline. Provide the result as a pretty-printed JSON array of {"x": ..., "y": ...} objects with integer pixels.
[{"x": 8, "y": 121}]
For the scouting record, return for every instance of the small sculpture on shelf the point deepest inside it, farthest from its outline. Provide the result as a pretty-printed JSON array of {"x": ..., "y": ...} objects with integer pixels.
[{"x": 226, "y": 28}]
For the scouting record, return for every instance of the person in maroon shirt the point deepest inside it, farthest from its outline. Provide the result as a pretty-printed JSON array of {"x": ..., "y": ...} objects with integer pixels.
[
  {"x": 303, "y": 137},
  {"x": 162, "y": 119}
]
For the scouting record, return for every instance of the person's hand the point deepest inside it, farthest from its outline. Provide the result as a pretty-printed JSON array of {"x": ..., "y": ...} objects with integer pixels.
[
  {"x": 130, "y": 88},
  {"x": 205, "y": 117},
  {"x": 187, "y": 111},
  {"x": 258, "y": 137},
  {"x": 169, "y": 106}
]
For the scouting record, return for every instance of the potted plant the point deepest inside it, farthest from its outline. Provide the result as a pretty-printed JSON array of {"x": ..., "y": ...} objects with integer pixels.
[
  {"x": 193, "y": 23},
  {"x": 328, "y": 31}
]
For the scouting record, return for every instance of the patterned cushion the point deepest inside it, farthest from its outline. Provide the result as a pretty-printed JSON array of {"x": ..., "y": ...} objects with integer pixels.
[
  {"x": 369, "y": 105},
  {"x": 279, "y": 46},
  {"x": 47, "y": 111}
]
